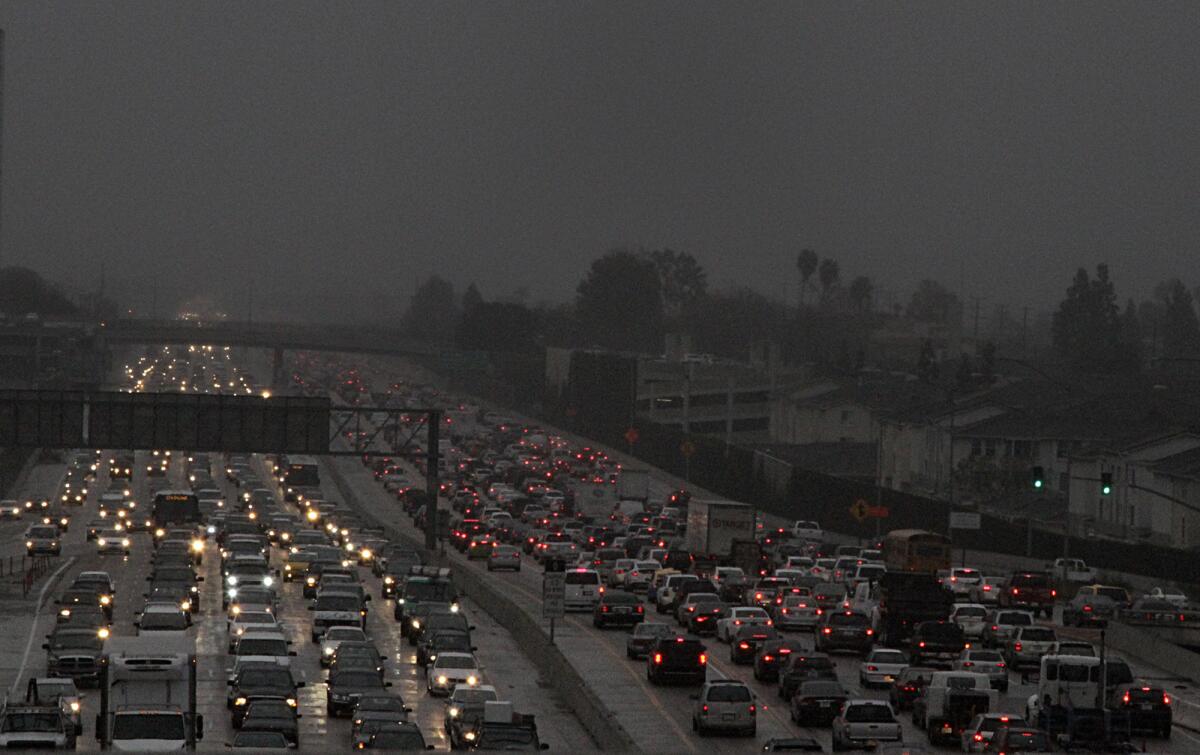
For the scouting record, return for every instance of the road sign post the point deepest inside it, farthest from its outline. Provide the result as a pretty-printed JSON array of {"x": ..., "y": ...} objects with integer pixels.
[
  {"x": 964, "y": 520},
  {"x": 554, "y": 592}
]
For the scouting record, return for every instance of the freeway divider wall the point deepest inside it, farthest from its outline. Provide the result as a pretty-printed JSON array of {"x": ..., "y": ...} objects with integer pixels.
[{"x": 603, "y": 727}]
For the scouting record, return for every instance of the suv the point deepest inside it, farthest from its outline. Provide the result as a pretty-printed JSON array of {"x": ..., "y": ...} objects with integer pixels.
[
  {"x": 726, "y": 704},
  {"x": 1001, "y": 624},
  {"x": 1032, "y": 590},
  {"x": 677, "y": 659},
  {"x": 936, "y": 641},
  {"x": 844, "y": 630},
  {"x": 1149, "y": 708}
]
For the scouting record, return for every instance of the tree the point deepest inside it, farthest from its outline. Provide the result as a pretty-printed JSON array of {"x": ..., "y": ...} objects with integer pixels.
[
  {"x": 681, "y": 278},
  {"x": 964, "y": 375},
  {"x": 1086, "y": 326},
  {"x": 432, "y": 315},
  {"x": 23, "y": 291},
  {"x": 471, "y": 299},
  {"x": 497, "y": 326},
  {"x": 728, "y": 322},
  {"x": 933, "y": 302},
  {"x": 1180, "y": 329},
  {"x": 1131, "y": 336},
  {"x": 806, "y": 261},
  {"x": 987, "y": 362},
  {"x": 860, "y": 291},
  {"x": 619, "y": 303},
  {"x": 828, "y": 273},
  {"x": 927, "y": 366}
]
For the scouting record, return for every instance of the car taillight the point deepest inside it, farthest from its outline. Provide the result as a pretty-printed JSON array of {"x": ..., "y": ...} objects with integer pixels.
[
  {"x": 870, "y": 632},
  {"x": 641, "y": 609},
  {"x": 1015, "y": 591},
  {"x": 768, "y": 658},
  {"x": 1125, "y": 698},
  {"x": 872, "y": 668},
  {"x": 1016, "y": 647},
  {"x": 827, "y": 630},
  {"x": 921, "y": 644},
  {"x": 603, "y": 609},
  {"x": 703, "y": 658},
  {"x": 978, "y": 737},
  {"x": 785, "y": 651},
  {"x": 995, "y": 628},
  {"x": 1087, "y": 609},
  {"x": 744, "y": 645},
  {"x": 1166, "y": 699},
  {"x": 1000, "y": 664},
  {"x": 657, "y": 658},
  {"x": 704, "y": 708},
  {"x": 968, "y": 664},
  {"x": 753, "y": 709},
  {"x": 1054, "y": 593}
]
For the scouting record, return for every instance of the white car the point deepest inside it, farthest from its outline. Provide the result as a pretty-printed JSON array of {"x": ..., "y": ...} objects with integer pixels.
[
  {"x": 722, "y": 573},
  {"x": 807, "y": 530},
  {"x": 990, "y": 662},
  {"x": 251, "y": 621},
  {"x": 112, "y": 541},
  {"x": 881, "y": 667},
  {"x": 451, "y": 669},
  {"x": 972, "y": 617},
  {"x": 742, "y": 616},
  {"x": 622, "y": 567},
  {"x": 638, "y": 578},
  {"x": 265, "y": 647},
  {"x": 962, "y": 579},
  {"x": 335, "y": 636},
  {"x": 979, "y": 732},
  {"x": 159, "y": 619},
  {"x": 796, "y": 612},
  {"x": 986, "y": 591}
]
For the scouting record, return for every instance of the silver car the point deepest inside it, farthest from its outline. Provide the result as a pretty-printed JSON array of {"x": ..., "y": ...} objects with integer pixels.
[{"x": 725, "y": 705}]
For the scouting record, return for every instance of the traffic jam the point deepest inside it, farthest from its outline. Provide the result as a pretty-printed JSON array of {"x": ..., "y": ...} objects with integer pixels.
[
  {"x": 876, "y": 645},
  {"x": 219, "y": 601}
]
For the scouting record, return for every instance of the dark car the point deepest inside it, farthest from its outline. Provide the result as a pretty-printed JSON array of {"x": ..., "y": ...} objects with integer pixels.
[
  {"x": 273, "y": 715},
  {"x": 643, "y": 636},
  {"x": 909, "y": 686},
  {"x": 803, "y": 667},
  {"x": 677, "y": 659},
  {"x": 443, "y": 641},
  {"x": 345, "y": 687},
  {"x": 259, "y": 680},
  {"x": 436, "y": 622},
  {"x": 618, "y": 608},
  {"x": 689, "y": 587},
  {"x": 704, "y": 619},
  {"x": 417, "y": 616},
  {"x": 259, "y": 741},
  {"x": 1149, "y": 708},
  {"x": 817, "y": 702},
  {"x": 936, "y": 641},
  {"x": 1019, "y": 739},
  {"x": 844, "y": 630},
  {"x": 771, "y": 656},
  {"x": 744, "y": 645},
  {"x": 74, "y": 653},
  {"x": 397, "y": 736},
  {"x": 1088, "y": 611},
  {"x": 1030, "y": 590}
]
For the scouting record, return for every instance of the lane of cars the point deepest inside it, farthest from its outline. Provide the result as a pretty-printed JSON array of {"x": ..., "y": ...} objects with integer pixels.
[{"x": 507, "y": 493}]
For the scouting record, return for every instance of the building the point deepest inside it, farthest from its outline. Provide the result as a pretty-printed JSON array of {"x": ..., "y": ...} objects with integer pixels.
[{"x": 846, "y": 410}]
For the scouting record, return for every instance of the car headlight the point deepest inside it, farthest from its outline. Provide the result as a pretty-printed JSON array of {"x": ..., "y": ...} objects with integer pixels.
[
  {"x": 268, "y": 581},
  {"x": 102, "y": 633},
  {"x": 329, "y": 650},
  {"x": 285, "y": 536},
  {"x": 454, "y": 711},
  {"x": 231, "y": 579},
  {"x": 291, "y": 701},
  {"x": 74, "y": 706},
  {"x": 100, "y": 541},
  {"x": 125, "y": 542},
  {"x": 469, "y": 736},
  {"x": 105, "y": 600},
  {"x": 197, "y": 546},
  {"x": 400, "y": 601},
  {"x": 240, "y": 631},
  {"x": 185, "y": 605},
  {"x": 365, "y": 554},
  {"x": 442, "y": 680},
  {"x": 240, "y": 701},
  {"x": 233, "y": 594},
  {"x": 211, "y": 529},
  {"x": 310, "y": 581},
  {"x": 472, "y": 681},
  {"x": 416, "y": 624},
  {"x": 389, "y": 581},
  {"x": 65, "y": 612},
  {"x": 453, "y": 608}
]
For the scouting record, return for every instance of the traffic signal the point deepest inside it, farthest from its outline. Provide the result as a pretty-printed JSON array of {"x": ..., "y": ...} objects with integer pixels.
[
  {"x": 1106, "y": 483},
  {"x": 1039, "y": 478}
]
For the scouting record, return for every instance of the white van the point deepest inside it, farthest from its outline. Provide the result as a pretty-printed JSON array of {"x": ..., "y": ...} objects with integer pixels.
[
  {"x": 582, "y": 590},
  {"x": 628, "y": 509}
]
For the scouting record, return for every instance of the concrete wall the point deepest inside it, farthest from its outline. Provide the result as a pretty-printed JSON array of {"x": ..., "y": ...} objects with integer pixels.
[{"x": 605, "y": 730}]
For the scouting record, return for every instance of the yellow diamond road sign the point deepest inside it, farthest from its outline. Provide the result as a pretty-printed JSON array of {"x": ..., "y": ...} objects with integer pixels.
[{"x": 858, "y": 509}]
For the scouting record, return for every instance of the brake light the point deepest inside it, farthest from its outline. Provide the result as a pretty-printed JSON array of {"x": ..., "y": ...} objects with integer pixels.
[
  {"x": 753, "y": 709},
  {"x": 827, "y": 630},
  {"x": 870, "y": 631},
  {"x": 968, "y": 664},
  {"x": 1000, "y": 664},
  {"x": 1166, "y": 699},
  {"x": 744, "y": 645},
  {"x": 785, "y": 651},
  {"x": 1016, "y": 647},
  {"x": 1054, "y": 593},
  {"x": 987, "y": 588},
  {"x": 603, "y": 609},
  {"x": 704, "y": 708},
  {"x": 921, "y": 644},
  {"x": 703, "y": 658},
  {"x": 872, "y": 668},
  {"x": 978, "y": 737},
  {"x": 768, "y": 658},
  {"x": 657, "y": 658},
  {"x": 1015, "y": 591},
  {"x": 1125, "y": 698},
  {"x": 1087, "y": 608},
  {"x": 641, "y": 609}
]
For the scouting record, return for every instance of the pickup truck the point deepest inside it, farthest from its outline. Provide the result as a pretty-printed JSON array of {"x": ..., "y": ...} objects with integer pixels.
[
  {"x": 950, "y": 701},
  {"x": 1072, "y": 570},
  {"x": 1033, "y": 591},
  {"x": 936, "y": 641},
  {"x": 37, "y": 725}
]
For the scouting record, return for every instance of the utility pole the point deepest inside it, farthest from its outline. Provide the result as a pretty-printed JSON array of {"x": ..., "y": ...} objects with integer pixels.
[
  {"x": 1024, "y": 332},
  {"x": 1, "y": 142}
]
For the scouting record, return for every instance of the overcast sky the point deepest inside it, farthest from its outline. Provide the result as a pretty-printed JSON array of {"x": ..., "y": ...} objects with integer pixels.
[{"x": 332, "y": 153}]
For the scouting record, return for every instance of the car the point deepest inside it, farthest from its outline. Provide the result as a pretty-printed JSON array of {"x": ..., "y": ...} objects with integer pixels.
[
  {"x": 335, "y": 636},
  {"x": 935, "y": 642},
  {"x": 272, "y": 714},
  {"x": 740, "y": 616},
  {"x": 645, "y": 634},
  {"x": 802, "y": 667},
  {"x": 464, "y": 711},
  {"x": 581, "y": 589},
  {"x": 972, "y": 617},
  {"x": 1072, "y": 647},
  {"x": 677, "y": 659},
  {"x": 450, "y": 669},
  {"x": 1027, "y": 645},
  {"x": 397, "y": 736},
  {"x": 42, "y": 540},
  {"x": 162, "y": 618},
  {"x": 1019, "y": 739},
  {"x": 986, "y": 591},
  {"x": 908, "y": 686},
  {"x": 796, "y": 612},
  {"x": 1001, "y": 623},
  {"x": 772, "y": 655},
  {"x": 344, "y": 688},
  {"x": 817, "y": 702},
  {"x": 983, "y": 727},
  {"x": 438, "y": 641},
  {"x": 983, "y": 661},
  {"x": 744, "y": 645},
  {"x": 260, "y": 741},
  {"x": 10, "y": 509},
  {"x": 111, "y": 541},
  {"x": 259, "y": 680},
  {"x": 862, "y": 721},
  {"x": 504, "y": 557},
  {"x": 618, "y": 608},
  {"x": 881, "y": 667},
  {"x": 1148, "y": 706},
  {"x": 725, "y": 705},
  {"x": 844, "y": 630},
  {"x": 792, "y": 744},
  {"x": 1085, "y": 610},
  {"x": 372, "y": 713}
]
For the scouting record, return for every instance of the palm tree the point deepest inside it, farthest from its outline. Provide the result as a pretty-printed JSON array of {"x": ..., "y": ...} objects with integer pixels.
[
  {"x": 828, "y": 274},
  {"x": 860, "y": 292},
  {"x": 807, "y": 262}
]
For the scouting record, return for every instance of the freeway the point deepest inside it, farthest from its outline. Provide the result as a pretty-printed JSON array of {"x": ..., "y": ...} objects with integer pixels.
[
  {"x": 502, "y": 662},
  {"x": 659, "y": 718}
]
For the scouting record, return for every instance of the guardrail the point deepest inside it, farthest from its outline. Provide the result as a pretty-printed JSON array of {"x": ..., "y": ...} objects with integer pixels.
[{"x": 24, "y": 571}]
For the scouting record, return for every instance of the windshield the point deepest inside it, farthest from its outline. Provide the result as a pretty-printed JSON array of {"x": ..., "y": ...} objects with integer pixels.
[
  {"x": 345, "y": 633},
  {"x": 822, "y": 689},
  {"x": 269, "y": 709},
  {"x": 455, "y": 662},
  {"x": 1116, "y": 593},
  {"x": 76, "y": 641},
  {"x": 970, "y": 613},
  {"x": 384, "y": 704},
  {"x": 508, "y": 735},
  {"x": 32, "y": 722},
  {"x": 1015, "y": 619},
  {"x": 398, "y": 740},
  {"x": 1038, "y": 634},
  {"x": 266, "y": 678},
  {"x": 848, "y": 620},
  {"x": 255, "y": 646},
  {"x": 429, "y": 591},
  {"x": 728, "y": 693},
  {"x": 164, "y": 621},
  {"x": 255, "y": 617},
  {"x": 357, "y": 679},
  {"x": 888, "y": 656},
  {"x": 337, "y": 603},
  {"x": 468, "y": 696},
  {"x": 148, "y": 726},
  {"x": 876, "y": 714}
]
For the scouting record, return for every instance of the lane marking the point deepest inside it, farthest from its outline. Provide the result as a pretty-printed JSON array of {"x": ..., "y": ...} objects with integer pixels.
[{"x": 33, "y": 629}]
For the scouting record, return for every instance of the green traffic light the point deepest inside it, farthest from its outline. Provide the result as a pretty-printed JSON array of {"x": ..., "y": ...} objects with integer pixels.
[
  {"x": 1106, "y": 490},
  {"x": 1037, "y": 483}
]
